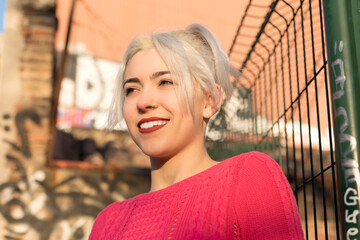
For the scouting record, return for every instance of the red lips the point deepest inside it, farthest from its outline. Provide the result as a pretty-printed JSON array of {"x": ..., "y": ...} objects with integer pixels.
[{"x": 151, "y": 129}]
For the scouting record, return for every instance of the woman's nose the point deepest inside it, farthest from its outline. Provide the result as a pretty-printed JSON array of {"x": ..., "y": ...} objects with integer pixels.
[{"x": 146, "y": 100}]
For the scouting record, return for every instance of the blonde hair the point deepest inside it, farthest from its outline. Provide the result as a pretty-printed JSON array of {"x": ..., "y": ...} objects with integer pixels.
[{"x": 193, "y": 55}]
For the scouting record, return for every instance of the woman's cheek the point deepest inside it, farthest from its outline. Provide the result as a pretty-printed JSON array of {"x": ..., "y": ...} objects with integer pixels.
[{"x": 128, "y": 111}]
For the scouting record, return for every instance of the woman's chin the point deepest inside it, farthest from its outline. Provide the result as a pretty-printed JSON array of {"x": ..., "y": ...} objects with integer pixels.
[{"x": 157, "y": 155}]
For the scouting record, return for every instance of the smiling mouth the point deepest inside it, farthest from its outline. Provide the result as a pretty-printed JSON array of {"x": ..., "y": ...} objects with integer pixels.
[
  {"x": 147, "y": 125},
  {"x": 151, "y": 124}
]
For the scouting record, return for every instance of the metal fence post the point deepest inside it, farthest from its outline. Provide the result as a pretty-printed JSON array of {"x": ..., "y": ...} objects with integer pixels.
[{"x": 342, "y": 23}]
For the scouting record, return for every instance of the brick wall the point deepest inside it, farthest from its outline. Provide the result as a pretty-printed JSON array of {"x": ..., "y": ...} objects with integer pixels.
[{"x": 38, "y": 201}]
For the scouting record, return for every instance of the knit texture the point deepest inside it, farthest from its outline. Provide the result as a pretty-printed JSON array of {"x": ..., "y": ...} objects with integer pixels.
[{"x": 244, "y": 197}]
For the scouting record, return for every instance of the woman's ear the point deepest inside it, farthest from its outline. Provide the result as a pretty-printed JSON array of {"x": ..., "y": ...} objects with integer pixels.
[{"x": 211, "y": 104}]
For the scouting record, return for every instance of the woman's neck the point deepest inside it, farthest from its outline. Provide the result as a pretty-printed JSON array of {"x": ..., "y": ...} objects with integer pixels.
[{"x": 165, "y": 172}]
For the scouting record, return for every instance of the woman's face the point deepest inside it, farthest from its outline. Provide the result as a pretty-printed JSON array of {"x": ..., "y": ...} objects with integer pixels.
[{"x": 152, "y": 110}]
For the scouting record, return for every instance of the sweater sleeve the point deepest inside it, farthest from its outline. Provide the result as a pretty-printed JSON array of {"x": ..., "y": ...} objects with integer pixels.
[
  {"x": 104, "y": 220},
  {"x": 265, "y": 207}
]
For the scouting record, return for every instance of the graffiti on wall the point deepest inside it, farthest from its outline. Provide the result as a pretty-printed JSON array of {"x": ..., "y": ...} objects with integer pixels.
[
  {"x": 350, "y": 176},
  {"x": 36, "y": 208},
  {"x": 86, "y": 92}
]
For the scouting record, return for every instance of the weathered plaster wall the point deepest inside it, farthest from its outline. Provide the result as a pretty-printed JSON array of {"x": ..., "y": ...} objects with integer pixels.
[{"x": 37, "y": 201}]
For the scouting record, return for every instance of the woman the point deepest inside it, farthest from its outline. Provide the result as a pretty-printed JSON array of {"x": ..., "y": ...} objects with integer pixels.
[{"x": 170, "y": 84}]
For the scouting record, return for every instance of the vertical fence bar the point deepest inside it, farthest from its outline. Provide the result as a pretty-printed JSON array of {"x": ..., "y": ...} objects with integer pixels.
[
  {"x": 342, "y": 24},
  {"x": 318, "y": 122},
  {"x": 291, "y": 44},
  {"x": 328, "y": 102}
]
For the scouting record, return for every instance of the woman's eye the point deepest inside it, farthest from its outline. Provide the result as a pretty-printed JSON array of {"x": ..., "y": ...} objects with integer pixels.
[
  {"x": 166, "y": 82},
  {"x": 128, "y": 91}
]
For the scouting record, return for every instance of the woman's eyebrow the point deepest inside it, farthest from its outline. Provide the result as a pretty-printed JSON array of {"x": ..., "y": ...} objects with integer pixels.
[
  {"x": 158, "y": 74},
  {"x": 131, "y": 80},
  {"x": 153, "y": 76}
]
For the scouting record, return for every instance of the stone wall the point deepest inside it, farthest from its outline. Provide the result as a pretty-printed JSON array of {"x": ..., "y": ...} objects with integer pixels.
[{"x": 38, "y": 201}]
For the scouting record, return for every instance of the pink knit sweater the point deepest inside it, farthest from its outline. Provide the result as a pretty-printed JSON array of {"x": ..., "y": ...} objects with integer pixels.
[{"x": 244, "y": 197}]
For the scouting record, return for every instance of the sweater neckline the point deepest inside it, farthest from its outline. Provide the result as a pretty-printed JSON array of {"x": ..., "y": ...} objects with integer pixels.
[{"x": 177, "y": 187}]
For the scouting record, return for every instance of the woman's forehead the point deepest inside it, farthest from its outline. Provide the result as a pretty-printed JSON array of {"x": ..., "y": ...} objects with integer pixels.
[{"x": 145, "y": 62}]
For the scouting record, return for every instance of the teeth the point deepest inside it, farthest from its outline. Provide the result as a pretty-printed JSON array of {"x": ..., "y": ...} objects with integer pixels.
[{"x": 152, "y": 124}]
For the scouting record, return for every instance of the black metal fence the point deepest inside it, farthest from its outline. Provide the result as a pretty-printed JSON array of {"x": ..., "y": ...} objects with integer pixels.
[{"x": 283, "y": 106}]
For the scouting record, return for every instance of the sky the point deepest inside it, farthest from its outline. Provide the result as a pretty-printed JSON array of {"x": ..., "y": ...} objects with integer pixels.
[{"x": 2, "y": 14}]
